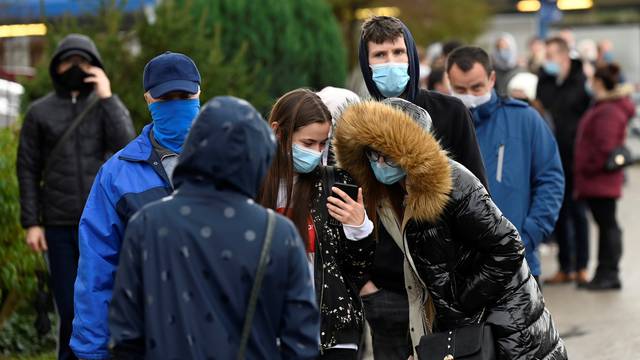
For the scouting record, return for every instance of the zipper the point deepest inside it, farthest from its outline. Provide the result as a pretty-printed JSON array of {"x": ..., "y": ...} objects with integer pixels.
[
  {"x": 500, "y": 163},
  {"x": 319, "y": 251},
  {"x": 74, "y": 101}
]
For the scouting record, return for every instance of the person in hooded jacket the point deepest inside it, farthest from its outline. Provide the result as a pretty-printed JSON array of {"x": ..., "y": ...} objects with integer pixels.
[
  {"x": 188, "y": 262},
  {"x": 603, "y": 129},
  {"x": 390, "y": 67},
  {"x": 138, "y": 174},
  {"x": 563, "y": 93},
  {"x": 54, "y": 185},
  {"x": 335, "y": 228},
  {"x": 464, "y": 261}
]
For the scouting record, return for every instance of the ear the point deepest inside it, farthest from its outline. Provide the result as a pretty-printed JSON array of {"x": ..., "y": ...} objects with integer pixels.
[{"x": 276, "y": 129}]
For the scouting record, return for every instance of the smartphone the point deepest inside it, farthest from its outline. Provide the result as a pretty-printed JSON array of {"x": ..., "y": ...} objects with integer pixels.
[{"x": 349, "y": 189}]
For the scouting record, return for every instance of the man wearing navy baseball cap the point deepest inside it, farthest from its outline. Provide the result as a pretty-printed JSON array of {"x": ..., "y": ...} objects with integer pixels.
[{"x": 138, "y": 174}]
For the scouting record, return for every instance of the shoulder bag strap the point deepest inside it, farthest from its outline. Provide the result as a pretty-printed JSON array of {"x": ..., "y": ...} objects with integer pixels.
[
  {"x": 67, "y": 133},
  {"x": 253, "y": 299}
]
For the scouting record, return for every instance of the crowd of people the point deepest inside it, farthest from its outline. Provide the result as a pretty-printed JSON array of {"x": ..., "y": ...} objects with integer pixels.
[{"x": 417, "y": 208}]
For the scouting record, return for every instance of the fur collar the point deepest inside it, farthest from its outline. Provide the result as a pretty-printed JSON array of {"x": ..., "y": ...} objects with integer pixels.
[
  {"x": 392, "y": 132},
  {"x": 620, "y": 91}
]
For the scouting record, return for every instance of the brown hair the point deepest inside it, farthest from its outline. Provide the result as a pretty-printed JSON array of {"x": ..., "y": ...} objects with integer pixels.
[
  {"x": 609, "y": 74},
  {"x": 295, "y": 109},
  {"x": 379, "y": 29},
  {"x": 560, "y": 42}
]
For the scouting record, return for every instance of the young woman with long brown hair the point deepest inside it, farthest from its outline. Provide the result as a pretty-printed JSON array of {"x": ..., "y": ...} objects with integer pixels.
[{"x": 298, "y": 186}]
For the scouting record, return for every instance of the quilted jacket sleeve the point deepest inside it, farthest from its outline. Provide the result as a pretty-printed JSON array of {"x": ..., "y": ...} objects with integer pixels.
[{"x": 29, "y": 166}]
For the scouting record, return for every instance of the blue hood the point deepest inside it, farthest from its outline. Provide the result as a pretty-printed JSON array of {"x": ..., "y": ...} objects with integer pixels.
[
  {"x": 411, "y": 92},
  {"x": 230, "y": 145}
]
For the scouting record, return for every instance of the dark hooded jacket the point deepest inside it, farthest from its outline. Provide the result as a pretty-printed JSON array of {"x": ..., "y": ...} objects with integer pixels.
[
  {"x": 566, "y": 102},
  {"x": 466, "y": 255},
  {"x": 188, "y": 262},
  {"x": 452, "y": 123},
  {"x": 454, "y": 130},
  {"x": 58, "y": 197}
]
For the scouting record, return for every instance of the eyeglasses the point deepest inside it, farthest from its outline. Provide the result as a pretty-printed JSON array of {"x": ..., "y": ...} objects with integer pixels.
[{"x": 375, "y": 156}]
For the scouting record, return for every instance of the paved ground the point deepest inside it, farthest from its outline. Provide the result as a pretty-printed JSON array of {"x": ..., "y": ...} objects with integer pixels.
[{"x": 604, "y": 325}]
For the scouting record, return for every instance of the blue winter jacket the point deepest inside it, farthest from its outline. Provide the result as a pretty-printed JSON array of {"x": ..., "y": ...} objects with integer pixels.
[
  {"x": 130, "y": 179},
  {"x": 523, "y": 167},
  {"x": 188, "y": 262}
]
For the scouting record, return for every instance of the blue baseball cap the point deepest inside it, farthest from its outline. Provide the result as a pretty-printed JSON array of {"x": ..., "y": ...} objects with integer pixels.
[{"x": 170, "y": 72}]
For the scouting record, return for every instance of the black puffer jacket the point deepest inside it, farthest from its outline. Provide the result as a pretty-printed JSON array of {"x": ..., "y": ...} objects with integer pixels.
[
  {"x": 58, "y": 197},
  {"x": 467, "y": 255}
]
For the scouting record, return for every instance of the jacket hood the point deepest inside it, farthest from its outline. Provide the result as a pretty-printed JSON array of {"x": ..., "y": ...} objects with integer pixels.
[
  {"x": 71, "y": 42},
  {"x": 390, "y": 131},
  {"x": 229, "y": 145},
  {"x": 412, "y": 89}
]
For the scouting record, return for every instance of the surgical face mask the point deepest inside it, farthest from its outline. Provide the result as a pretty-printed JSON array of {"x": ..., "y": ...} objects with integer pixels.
[
  {"x": 304, "y": 159},
  {"x": 551, "y": 67},
  {"x": 473, "y": 101},
  {"x": 387, "y": 174},
  {"x": 391, "y": 78},
  {"x": 505, "y": 55},
  {"x": 172, "y": 120}
]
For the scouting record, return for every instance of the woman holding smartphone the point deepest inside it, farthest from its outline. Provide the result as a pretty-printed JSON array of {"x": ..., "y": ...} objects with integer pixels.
[
  {"x": 464, "y": 261},
  {"x": 299, "y": 187}
]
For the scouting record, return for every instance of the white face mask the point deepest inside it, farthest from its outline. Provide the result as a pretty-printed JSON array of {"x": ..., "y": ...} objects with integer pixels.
[{"x": 472, "y": 101}]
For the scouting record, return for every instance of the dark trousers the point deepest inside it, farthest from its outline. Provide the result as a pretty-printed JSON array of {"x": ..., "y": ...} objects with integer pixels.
[
  {"x": 388, "y": 315},
  {"x": 62, "y": 256},
  {"x": 339, "y": 354},
  {"x": 572, "y": 234},
  {"x": 609, "y": 237}
]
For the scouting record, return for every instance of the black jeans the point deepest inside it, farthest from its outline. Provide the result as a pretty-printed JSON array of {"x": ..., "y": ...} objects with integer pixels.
[
  {"x": 609, "y": 236},
  {"x": 572, "y": 234},
  {"x": 62, "y": 255},
  {"x": 388, "y": 315}
]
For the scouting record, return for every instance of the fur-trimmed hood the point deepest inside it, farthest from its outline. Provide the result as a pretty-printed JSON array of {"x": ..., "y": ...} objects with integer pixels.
[{"x": 392, "y": 132}]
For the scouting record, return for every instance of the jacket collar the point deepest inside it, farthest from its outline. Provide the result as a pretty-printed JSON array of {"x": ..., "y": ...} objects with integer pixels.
[
  {"x": 394, "y": 133},
  {"x": 140, "y": 148},
  {"x": 484, "y": 111}
]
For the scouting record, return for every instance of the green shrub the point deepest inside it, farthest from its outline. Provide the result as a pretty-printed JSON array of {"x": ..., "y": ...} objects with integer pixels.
[
  {"x": 19, "y": 263},
  {"x": 256, "y": 50}
]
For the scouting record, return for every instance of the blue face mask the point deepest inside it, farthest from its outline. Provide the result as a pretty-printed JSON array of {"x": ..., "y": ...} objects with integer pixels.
[
  {"x": 172, "y": 120},
  {"x": 551, "y": 67},
  {"x": 391, "y": 78},
  {"x": 305, "y": 160},
  {"x": 387, "y": 174}
]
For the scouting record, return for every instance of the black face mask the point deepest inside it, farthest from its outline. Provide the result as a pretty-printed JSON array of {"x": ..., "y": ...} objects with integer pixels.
[{"x": 73, "y": 80}]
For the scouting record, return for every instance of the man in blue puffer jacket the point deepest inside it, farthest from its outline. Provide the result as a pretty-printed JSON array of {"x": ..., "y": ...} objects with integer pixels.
[
  {"x": 519, "y": 151},
  {"x": 138, "y": 174}
]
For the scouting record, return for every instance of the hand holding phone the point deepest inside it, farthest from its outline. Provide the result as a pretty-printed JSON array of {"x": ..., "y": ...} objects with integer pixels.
[{"x": 346, "y": 205}]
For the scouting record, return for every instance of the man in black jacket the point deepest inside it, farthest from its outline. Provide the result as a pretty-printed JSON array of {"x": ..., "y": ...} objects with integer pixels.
[
  {"x": 562, "y": 92},
  {"x": 54, "y": 178},
  {"x": 390, "y": 67}
]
